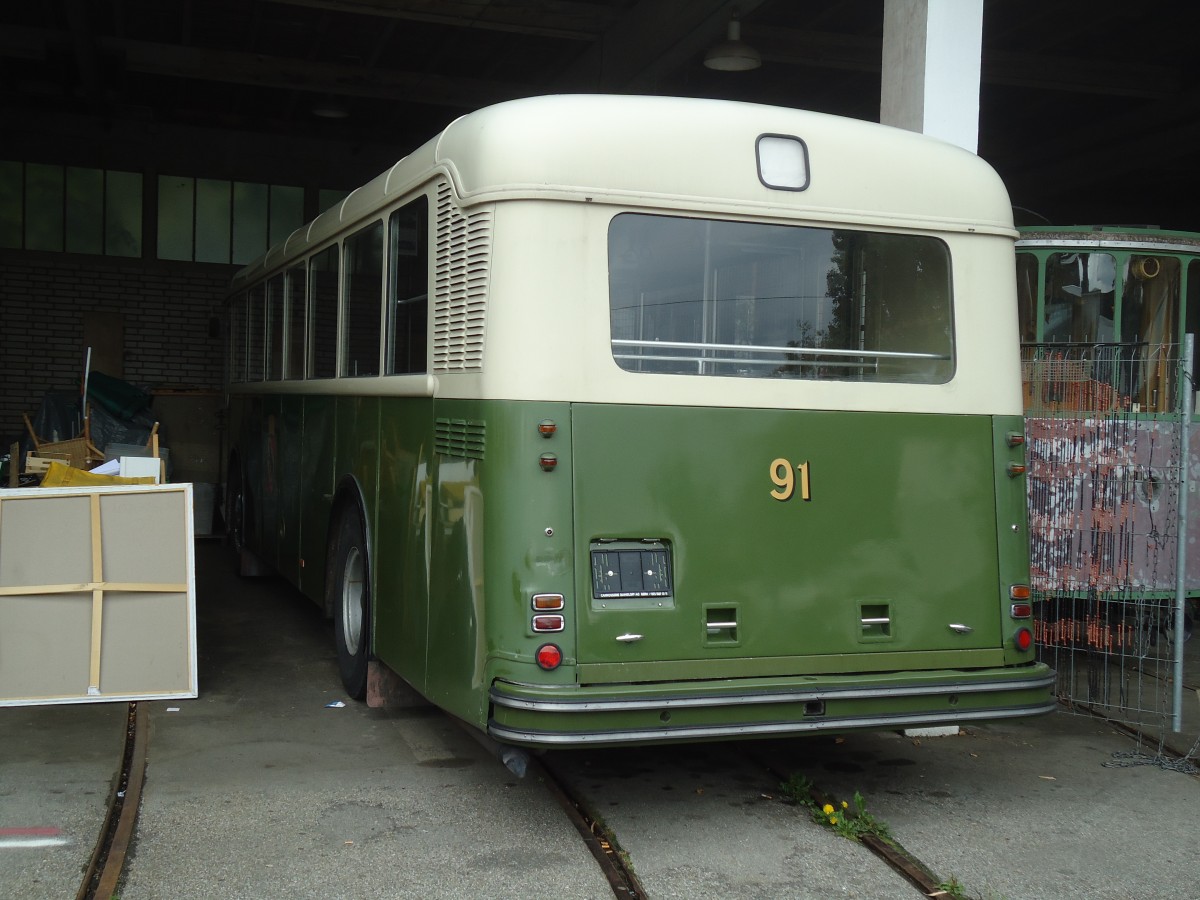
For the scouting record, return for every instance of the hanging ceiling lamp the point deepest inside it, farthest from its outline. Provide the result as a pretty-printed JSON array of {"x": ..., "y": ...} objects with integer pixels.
[{"x": 733, "y": 54}]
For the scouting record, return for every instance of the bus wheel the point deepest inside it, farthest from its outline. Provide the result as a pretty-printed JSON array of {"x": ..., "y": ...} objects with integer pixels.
[
  {"x": 235, "y": 510},
  {"x": 351, "y": 602}
]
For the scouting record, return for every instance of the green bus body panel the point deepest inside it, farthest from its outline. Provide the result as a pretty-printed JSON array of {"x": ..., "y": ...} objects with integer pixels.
[
  {"x": 315, "y": 490},
  {"x": 465, "y": 525},
  {"x": 491, "y": 551},
  {"x": 398, "y": 552},
  {"x": 901, "y": 525}
]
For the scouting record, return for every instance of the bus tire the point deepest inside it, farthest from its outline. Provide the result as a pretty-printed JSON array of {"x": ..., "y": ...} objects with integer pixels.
[
  {"x": 350, "y": 601},
  {"x": 235, "y": 509}
]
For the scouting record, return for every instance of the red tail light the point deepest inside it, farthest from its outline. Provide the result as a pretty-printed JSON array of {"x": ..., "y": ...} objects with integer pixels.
[
  {"x": 548, "y": 623},
  {"x": 1023, "y": 639},
  {"x": 549, "y": 656}
]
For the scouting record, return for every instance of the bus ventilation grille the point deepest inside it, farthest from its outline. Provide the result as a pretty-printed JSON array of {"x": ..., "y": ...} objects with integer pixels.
[
  {"x": 460, "y": 285},
  {"x": 458, "y": 437}
]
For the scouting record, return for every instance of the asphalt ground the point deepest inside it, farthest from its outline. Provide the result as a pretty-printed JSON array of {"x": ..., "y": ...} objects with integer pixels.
[{"x": 260, "y": 789}]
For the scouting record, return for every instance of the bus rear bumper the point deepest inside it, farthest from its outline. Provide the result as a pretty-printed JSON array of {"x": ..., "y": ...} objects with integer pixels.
[{"x": 604, "y": 715}]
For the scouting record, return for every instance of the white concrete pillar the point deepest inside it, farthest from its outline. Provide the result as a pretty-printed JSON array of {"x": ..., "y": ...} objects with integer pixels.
[{"x": 931, "y": 53}]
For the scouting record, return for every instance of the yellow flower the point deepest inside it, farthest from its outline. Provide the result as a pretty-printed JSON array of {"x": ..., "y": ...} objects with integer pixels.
[
  {"x": 833, "y": 820},
  {"x": 827, "y": 808},
  {"x": 845, "y": 804}
]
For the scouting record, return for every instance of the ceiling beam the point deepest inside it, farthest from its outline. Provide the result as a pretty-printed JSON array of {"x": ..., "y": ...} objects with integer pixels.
[
  {"x": 827, "y": 50},
  {"x": 546, "y": 18},
  {"x": 232, "y": 67}
]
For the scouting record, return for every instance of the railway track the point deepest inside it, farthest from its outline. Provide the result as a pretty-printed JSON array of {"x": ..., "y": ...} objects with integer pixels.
[
  {"x": 598, "y": 838},
  {"x": 102, "y": 874},
  {"x": 618, "y": 867}
]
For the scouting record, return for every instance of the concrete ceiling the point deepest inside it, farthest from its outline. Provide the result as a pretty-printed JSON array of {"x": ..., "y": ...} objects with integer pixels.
[{"x": 1090, "y": 109}]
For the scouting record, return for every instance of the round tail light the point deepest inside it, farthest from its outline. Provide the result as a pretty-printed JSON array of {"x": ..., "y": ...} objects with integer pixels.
[{"x": 549, "y": 656}]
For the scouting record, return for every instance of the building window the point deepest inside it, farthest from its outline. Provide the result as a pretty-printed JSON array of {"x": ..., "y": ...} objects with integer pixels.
[
  {"x": 211, "y": 220},
  {"x": 71, "y": 209}
]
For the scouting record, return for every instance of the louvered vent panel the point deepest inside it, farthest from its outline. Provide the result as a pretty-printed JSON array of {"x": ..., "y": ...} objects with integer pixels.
[
  {"x": 458, "y": 437},
  {"x": 460, "y": 286}
]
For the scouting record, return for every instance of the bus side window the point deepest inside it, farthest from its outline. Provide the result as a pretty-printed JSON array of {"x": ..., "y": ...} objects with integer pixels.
[
  {"x": 408, "y": 287},
  {"x": 237, "y": 339},
  {"x": 360, "y": 315},
  {"x": 322, "y": 314},
  {"x": 294, "y": 366},
  {"x": 275, "y": 328},
  {"x": 256, "y": 340}
]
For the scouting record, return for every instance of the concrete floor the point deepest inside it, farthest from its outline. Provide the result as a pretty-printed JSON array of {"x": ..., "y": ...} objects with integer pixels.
[{"x": 259, "y": 789}]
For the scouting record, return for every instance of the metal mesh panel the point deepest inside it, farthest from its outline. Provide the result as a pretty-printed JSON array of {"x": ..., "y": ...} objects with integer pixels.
[{"x": 1104, "y": 440}]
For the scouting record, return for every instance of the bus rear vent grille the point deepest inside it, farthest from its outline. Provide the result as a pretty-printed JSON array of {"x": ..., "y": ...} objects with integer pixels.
[
  {"x": 460, "y": 285},
  {"x": 458, "y": 437}
]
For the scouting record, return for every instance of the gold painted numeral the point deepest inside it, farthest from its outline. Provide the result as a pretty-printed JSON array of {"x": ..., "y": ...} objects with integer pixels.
[{"x": 784, "y": 478}]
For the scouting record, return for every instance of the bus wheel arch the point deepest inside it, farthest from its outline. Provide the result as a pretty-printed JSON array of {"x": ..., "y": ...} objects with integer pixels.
[{"x": 348, "y": 588}]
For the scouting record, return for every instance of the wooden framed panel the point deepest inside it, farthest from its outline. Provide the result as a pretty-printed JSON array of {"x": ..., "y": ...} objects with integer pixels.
[{"x": 97, "y": 594}]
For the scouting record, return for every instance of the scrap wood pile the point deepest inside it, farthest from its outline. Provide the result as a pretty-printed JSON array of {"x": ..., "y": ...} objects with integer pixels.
[{"x": 114, "y": 414}]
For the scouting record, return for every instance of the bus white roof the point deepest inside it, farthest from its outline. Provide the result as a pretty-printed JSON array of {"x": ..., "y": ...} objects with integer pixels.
[{"x": 682, "y": 154}]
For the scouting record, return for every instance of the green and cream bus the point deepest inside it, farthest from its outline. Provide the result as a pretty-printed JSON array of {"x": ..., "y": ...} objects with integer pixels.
[{"x": 636, "y": 419}]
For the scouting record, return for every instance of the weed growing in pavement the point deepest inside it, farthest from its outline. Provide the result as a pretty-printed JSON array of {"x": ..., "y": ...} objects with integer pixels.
[
  {"x": 952, "y": 889},
  {"x": 852, "y": 824},
  {"x": 855, "y": 823}
]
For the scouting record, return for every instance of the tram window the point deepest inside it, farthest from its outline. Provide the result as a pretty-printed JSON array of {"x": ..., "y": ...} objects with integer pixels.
[
  {"x": 295, "y": 323},
  {"x": 1027, "y": 296},
  {"x": 1192, "y": 323},
  {"x": 322, "y": 313},
  {"x": 408, "y": 287},
  {"x": 275, "y": 328},
  {"x": 1150, "y": 320},
  {"x": 1150, "y": 300},
  {"x": 255, "y": 333},
  {"x": 364, "y": 285},
  {"x": 1080, "y": 291},
  {"x": 704, "y": 297}
]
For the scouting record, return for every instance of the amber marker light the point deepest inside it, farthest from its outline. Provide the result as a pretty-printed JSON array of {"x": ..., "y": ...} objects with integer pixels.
[
  {"x": 548, "y": 461},
  {"x": 1015, "y": 469},
  {"x": 1015, "y": 439},
  {"x": 546, "y": 428},
  {"x": 548, "y": 601},
  {"x": 549, "y": 656},
  {"x": 1023, "y": 639},
  {"x": 1019, "y": 592}
]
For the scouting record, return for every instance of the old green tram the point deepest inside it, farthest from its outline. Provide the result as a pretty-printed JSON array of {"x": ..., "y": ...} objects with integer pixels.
[
  {"x": 1105, "y": 312},
  {"x": 629, "y": 419}
]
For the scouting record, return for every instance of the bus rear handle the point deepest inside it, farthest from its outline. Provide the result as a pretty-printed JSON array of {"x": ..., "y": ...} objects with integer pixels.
[
  {"x": 714, "y": 627},
  {"x": 878, "y": 620}
]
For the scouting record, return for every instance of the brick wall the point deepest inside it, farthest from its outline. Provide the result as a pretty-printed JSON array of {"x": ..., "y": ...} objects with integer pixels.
[{"x": 166, "y": 309}]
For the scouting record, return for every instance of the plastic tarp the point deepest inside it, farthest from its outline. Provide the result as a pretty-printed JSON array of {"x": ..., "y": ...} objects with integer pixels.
[{"x": 61, "y": 475}]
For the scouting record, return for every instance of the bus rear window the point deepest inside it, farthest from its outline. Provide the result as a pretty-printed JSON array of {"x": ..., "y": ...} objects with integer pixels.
[{"x": 740, "y": 299}]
